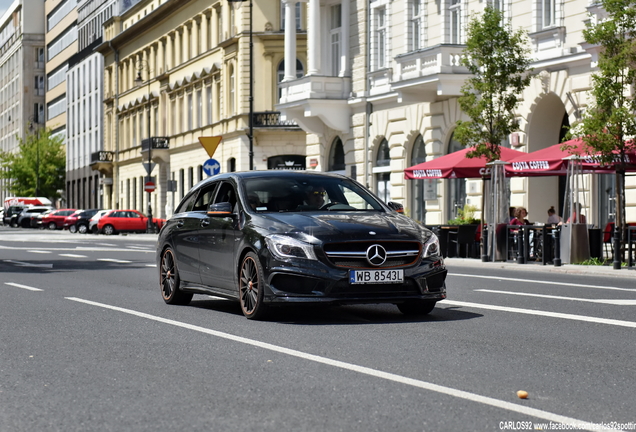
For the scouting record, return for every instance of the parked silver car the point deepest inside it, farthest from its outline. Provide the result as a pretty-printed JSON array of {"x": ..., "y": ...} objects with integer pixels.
[{"x": 92, "y": 224}]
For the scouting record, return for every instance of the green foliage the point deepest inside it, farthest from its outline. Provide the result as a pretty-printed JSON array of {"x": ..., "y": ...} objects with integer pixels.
[
  {"x": 39, "y": 156},
  {"x": 609, "y": 121},
  {"x": 466, "y": 216},
  {"x": 498, "y": 58},
  {"x": 593, "y": 261}
]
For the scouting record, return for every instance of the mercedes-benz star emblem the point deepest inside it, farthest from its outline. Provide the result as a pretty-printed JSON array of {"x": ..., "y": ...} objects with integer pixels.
[{"x": 376, "y": 255}]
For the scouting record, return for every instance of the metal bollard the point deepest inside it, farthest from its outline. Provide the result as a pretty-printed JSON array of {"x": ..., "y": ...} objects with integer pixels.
[
  {"x": 557, "y": 247},
  {"x": 484, "y": 242},
  {"x": 617, "y": 248},
  {"x": 521, "y": 255}
]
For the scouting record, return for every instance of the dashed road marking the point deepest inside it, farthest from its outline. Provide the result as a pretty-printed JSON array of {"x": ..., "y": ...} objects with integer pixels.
[
  {"x": 26, "y": 287},
  {"x": 114, "y": 260},
  {"x": 73, "y": 256},
  {"x": 39, "y": 251},
  {"x": 26, "y": 264},
  {"x": 616, "y": 302},
  {"x": 543, "y": 282}
]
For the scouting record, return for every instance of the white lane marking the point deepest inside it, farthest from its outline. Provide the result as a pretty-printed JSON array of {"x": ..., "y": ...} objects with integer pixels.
[
  {"x": 73, "y": 256},
  {"x": 39, "y": 251},
  {"x": 114, "y": 260},
  {"x": 620, "y": 323},
  {"x": 151, "y": 265},
  {"x": 543, "y": 282},
  {"x": 81, "y": 249},
  {"x": 139, "y": 247},
  {"x": 105, "y": 244},
  {"x": 26, "y": 287},
  {"x": 25, "y": 264},
  {"x": 211, "y": 297},
  {"x": 352, "y": 367},
  {"x": 604, "y": 301}
]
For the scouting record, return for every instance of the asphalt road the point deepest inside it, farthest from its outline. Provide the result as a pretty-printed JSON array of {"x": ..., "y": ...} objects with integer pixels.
[{"x": 87, "y": 344}]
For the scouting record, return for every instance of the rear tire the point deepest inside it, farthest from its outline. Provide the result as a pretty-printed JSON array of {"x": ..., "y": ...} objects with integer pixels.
[
  {"x": 52, "y": 226},
  {"x": 251, "y": 284},
  {"x": 82, "y": 229},
  {"x": 417, "y": 307},
  {"x": 108, "y": 230},
  {"x": 72, "y": 229},
  {"x": 170, "y": 282}
]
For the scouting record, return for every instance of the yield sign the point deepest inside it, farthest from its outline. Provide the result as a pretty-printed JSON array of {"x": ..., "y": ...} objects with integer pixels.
[
  {"x": 149, "y": 166},
  {"x": 149, "y": 186},
  {"x": 210, "y": 143}
]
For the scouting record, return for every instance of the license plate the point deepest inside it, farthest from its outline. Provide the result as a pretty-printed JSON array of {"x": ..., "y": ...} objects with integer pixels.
[{"x": 376, "y": 276}]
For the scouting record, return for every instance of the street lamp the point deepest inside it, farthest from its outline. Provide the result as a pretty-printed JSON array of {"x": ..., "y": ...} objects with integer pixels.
[
  {"x": 142, "y": 65},
  {"x": 34, "y": 119},
  {"x": 250, "y": 134}
]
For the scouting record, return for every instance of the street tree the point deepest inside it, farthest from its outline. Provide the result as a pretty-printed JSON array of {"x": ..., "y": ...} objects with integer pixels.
[
  {"x": 37, "y": 168},
  {"x": 498, "y": 59},
  {"x": 608, "y": 126}
]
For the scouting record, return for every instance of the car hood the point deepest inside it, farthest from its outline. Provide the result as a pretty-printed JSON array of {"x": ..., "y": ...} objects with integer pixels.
[{"x": 342, "y": 226}]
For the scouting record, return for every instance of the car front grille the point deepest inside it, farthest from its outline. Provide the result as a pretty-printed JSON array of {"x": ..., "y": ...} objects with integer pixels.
[
  {"x": 345, "y": 289},
  {"x": 354, "y": 254}
]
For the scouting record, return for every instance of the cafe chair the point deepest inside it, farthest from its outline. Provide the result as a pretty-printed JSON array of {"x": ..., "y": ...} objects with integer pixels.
[
  {"x": 608, "y": 234},
  {"x": 464, "y": 235}
]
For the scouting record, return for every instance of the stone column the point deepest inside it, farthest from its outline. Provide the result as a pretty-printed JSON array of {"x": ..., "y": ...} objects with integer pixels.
[
  {"x": 313, "y": 38},
  {"x": 290, "y": 40},
  {"x": 345, "y": 69}
]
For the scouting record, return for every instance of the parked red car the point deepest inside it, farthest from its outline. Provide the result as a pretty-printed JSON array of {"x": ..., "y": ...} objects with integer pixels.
[
  {"x": 71, "y": 220},
  {"x": 55, "y": 219},
  {"x": 117, "y": 221}
]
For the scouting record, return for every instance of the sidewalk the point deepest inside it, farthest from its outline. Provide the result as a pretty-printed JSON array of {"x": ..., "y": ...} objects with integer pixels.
[{"x": 624, "y": 272}]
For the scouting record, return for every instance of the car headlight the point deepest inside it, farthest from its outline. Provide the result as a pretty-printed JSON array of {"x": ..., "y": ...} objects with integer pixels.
[
  {"x": 431, "y": 247},
  {"x": 284, "y": 247}
]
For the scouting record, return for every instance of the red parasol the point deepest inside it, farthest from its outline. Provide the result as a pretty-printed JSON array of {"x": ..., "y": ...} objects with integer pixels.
[
  {"x": 554, "y": 161},
  {"x": 456, "y": 165}
]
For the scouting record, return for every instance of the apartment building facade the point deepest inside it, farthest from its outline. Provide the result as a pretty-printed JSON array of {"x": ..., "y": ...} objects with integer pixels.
[
  {"x": 177, "y": 71},
  {"x": 381, "y": 88},
  {"x": 22, "y": 75},
  {"x": 84, "y": 102},
  {"x": 60, "y": 21}
]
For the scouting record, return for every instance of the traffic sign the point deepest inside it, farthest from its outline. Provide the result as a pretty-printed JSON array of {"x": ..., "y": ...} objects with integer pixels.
[
  {"x": 211, "y": 167},
  {"x": 210, "y": 144},
  {"x": 149, "y": 166},
  {"x": 149, "y": 186}
]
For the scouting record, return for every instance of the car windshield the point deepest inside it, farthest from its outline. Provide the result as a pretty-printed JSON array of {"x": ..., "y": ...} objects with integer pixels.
[{"x": 304, "y": 193}]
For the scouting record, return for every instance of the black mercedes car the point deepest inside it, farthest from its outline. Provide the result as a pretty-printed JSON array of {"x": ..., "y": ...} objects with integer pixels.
[{"x": 280, "y": 237}]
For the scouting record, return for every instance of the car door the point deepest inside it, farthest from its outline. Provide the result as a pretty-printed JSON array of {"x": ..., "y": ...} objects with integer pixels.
[
  {"x": 184, "y": 226},
  {"x": 218, "y": 242},
  {"x": 136, "y": 221}
]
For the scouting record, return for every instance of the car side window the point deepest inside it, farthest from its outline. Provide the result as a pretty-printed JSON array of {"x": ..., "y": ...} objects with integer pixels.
[
  {"x": 227, "y": 193},
  {"x": 187, "y": 203},
  {"x": 205, "y": 198}
]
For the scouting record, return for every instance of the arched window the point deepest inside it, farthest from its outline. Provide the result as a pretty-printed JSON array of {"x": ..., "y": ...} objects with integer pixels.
[
  {"x": 232, "y": 91},
  {"x": 231, "y": 165},
  {"x": 300, "y": 72},
  {"x": 418, "y": 205},
  {"x": 336, "y": 156},
  {"x": 382, "y": 171},
  {"x": 456, "y": 187}
]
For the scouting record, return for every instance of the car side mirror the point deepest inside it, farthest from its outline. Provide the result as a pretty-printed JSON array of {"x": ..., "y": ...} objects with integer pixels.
[
  {"x": 220, "y": 209},
  {"x": 396, "y": 207}
]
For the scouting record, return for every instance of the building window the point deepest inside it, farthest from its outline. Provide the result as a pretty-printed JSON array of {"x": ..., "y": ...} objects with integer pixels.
[
  {"x": 548, "y": 12},
  {"x": 382, "y": 171},
  {"x": 380, "y": 37},
  {"x": 337, "y": 156},
  {"x": 231, "y": 96},
  {"x": 418, "y": 207},
  {"x": 455, "y": 21},
  {"x": 335, "y": 36},
  {"x": 300, "y": 72},
  {"x": 231, "y": 165},
  {"x": 208, "y": 90},
  {"x": 190, "y": 113},
  {"x": 417, "y": 25},
  {"x": 199, "y": 108}
]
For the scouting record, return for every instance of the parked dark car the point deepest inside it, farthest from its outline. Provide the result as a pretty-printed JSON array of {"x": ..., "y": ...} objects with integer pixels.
[
  {"x": 29, "y": 216},
  {"x": 80, "y": 220},
  {"x": 284, "y": 237},
  {"x": 55, "y": 219},
  {"x": 10, "y": 211}
]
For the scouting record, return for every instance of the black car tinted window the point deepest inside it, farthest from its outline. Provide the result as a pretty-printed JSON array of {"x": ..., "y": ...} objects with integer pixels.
[
  {"x": 226, "y": 194},
  {"x": 205, "y": 198},
  {"x": 187, "y": 203}
]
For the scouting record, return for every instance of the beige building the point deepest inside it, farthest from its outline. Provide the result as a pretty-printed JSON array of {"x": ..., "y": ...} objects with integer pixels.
[
  {"x": 381, "y": 87},
  {"x": 192, "y": 59},
  {"x": 60, "y": 24},
  {"x": 21, "y": 75}
]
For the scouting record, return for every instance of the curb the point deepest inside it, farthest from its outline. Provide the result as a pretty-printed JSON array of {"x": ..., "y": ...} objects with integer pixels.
[{"x": 624, "y": 272}]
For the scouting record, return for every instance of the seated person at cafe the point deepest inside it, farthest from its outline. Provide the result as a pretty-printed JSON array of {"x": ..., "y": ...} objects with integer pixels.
[
  {"x": 553, "y": 218},
  {"x": 577, "y": 216},
  {"x": 520, "y": 217}
]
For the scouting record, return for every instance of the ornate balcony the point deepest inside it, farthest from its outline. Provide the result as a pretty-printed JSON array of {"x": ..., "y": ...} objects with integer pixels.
[
  {"x": 102, "y": 161},
  {"x": 316, "y": 102},
  {"x": 429, "y": 74},
  {"x": 160, "y": 149},
  {"x": 272, "y": 119}
]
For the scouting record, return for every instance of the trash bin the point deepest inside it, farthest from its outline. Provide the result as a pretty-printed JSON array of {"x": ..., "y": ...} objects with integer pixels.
[
  {"x": 596, "y": 242},
  {"x": 575, "y": 244}
]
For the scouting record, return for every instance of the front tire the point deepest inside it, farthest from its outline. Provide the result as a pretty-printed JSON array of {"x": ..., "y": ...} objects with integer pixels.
[
  {"x": 251, "y": 281},
  {"x": 170, "y": 281},
  {"x": 72, "y": 229},
  {"x": 52, "y": 226},
  {"x": 417, "y": 307},
  {"x": 82, "y": 229},
  {"x": 108, "y": 230}
]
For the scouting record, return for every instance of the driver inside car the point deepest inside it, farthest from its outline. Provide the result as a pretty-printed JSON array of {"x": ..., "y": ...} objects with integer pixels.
[{"x": 316, "y": 197}]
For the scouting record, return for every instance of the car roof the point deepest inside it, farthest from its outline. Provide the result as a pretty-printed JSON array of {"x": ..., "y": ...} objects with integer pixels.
[{"x": 238, "y": 175}]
